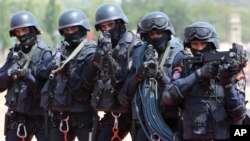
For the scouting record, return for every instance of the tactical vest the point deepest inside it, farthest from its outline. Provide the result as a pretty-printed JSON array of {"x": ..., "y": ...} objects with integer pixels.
[
  {"x": 58, "y": 93},
  {"x": 204, "y": 114},
  {"x": 173, "y": 48},
  {"x": 105, "y": 94},
  {"x": 19, "y": 97}
]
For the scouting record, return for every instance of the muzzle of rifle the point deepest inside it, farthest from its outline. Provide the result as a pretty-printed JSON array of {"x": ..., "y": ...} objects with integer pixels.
[{"x": 51, "y": 76}]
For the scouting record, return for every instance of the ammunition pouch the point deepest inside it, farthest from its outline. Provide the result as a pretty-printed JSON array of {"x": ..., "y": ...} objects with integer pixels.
[
  {"x": 200, "y": 122},
  {"x": 103, "y": 96},
  {"x": 17, "y": 98}
]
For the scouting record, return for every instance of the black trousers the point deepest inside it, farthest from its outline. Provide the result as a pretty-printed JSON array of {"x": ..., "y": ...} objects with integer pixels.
[
  {"x": 82, "y": 134},
  {"x": 34, "y": 128},
  {"x": 105, "y": 132},
  {"x": 79, "y": 126}
]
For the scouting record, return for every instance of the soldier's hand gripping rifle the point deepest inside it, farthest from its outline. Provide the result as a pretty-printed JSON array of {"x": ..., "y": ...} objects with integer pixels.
[
  {"x": 237, "y": 52},
  {"x": 57, "y": 60},
  {"x": 151, "y": 61},
  {"x": 19, "y": 59}
]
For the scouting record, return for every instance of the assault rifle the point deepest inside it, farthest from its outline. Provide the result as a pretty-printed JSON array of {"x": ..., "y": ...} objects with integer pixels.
[
  {"x": 57, "y": 61},
  {"x": 107, "y": 62},
  {"x": 19, "y": 59},
  {"x": 151, "y": 61},
  {"x": 237, "y": 52},
  {"x": 105, "y": 50}
]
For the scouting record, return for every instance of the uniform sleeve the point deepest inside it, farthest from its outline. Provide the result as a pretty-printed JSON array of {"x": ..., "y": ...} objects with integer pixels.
[
  {"x": 4, "y": 78},
  {"x": 131, "y": 82},
  {"x": 235, "y": 99},
  {"x": 44, "y": 67},
  {"x": 175, "y": 91}
]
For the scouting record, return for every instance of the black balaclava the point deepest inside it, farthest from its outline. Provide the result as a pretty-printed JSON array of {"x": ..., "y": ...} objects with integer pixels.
[
  {"x": 75, "y": 39},
  {"x": 160, "y": 43},
  {"x": 116, "y": 32},
  {"x": 27, "y": 41},
  {"x": 207, "y": 49}
]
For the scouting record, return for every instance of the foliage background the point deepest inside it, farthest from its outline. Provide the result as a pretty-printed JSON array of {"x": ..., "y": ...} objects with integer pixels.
[{"x": 181, "y": 12}]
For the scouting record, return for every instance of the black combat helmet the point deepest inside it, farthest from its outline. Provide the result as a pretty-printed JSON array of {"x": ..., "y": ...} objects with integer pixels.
[
  {"x": 155, "y": 20},
  {"x": 23, "y": 19},
  {"x": 73, "y": 17},
  {"x": 201, "y": 31},
  {"x": 108, "y": 12}
]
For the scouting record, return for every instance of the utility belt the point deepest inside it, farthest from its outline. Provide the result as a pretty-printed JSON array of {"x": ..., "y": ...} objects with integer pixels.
[
  {"x": 81, "y": 120},
  {"x": 22, "y": 123},
  {"x": 208, "y": 97}
]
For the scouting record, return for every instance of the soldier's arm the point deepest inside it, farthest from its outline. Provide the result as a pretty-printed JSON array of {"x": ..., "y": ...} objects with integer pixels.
[
  {"x": 44, "y": 67},
  {"x": 132, "y": 80},
  {"x": 175, "y": 90},
  {"x": 4, "y": 77},
  {"x": 235, "y": 99}
]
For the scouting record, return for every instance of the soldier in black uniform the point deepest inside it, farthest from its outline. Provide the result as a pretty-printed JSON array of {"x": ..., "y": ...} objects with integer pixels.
[
  {"x": 66, "y": 94},
  {"x": 24, "y": 118},
  {"x": 157, "y": 31},
  {"x": 115, "y": 46},
  {"x": 211, "y": 98}
]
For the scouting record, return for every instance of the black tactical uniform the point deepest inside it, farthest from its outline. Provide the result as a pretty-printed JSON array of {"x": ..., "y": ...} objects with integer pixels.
[
  {"x": 211, "y": 99},
  {"x": 19, "y": 77},
  {"x": 109, "y": 84},
  {"x": 66, "y": 94},
  {"x": 166, "y": 48}
]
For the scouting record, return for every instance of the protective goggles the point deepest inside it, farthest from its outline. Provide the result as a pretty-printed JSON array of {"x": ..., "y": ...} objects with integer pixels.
[
  {"x": 149, "y": 24},
  {"x": 198, "y": 32}
]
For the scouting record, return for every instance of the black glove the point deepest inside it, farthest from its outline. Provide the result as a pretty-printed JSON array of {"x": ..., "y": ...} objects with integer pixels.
[
  {"x": 18, "y": 73},
  {"x": 148, "y": 69},
  {"x": 227, "y": 74},
  {"x": 209, "y": 70},
  {"x": 233, "y": 66},
  {"x": 226, "y": 77}
]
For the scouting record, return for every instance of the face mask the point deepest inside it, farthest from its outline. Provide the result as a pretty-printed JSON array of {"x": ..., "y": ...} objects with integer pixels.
[
  {"x": 207, "y": 49},
  {"x": 75, "y": 39},
  {"x": 160, "y": 43},
  {"x": 116, "y": 33},
  {"x": 27, "y": 40}
]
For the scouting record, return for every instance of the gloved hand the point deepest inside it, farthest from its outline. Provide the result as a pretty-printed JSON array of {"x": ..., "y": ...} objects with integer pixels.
[
  {"x": 148, "y": 69},
  {"x": 233, "y": 66},
  {"x": 226, "y": 77},
  {"x": 209, "y": 70},
  {"x": 18, "y": 73}
]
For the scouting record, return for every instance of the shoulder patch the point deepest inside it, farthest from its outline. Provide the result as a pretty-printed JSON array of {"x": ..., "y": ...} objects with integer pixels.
[{"x": 241, "y": 85}]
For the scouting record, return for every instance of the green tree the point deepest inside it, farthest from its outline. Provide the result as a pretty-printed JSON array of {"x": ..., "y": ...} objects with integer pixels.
[
  {"x": 4, "y": 16},
  {"x": 50, "y": 22}
]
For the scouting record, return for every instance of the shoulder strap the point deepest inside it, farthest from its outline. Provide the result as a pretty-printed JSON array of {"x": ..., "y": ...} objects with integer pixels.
[
  {"x": 174, "y": 46},
  {"x": 74, "y": 53},
  {"x": 163, "y": 60},
  {"x": 29, "y": 56}
]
